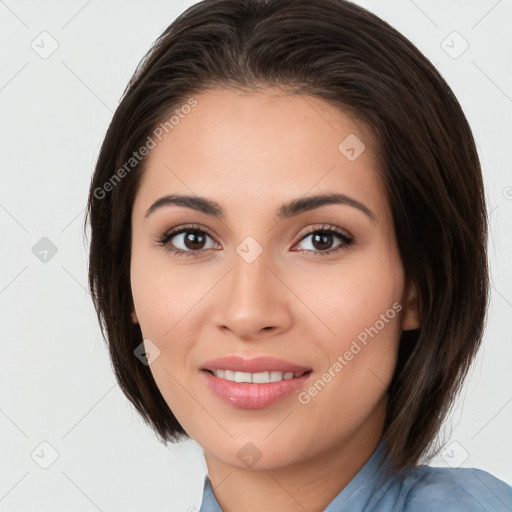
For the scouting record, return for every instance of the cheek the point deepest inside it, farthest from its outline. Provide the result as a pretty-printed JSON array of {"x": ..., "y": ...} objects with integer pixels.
[
  {"x": 351, "y": 297},
  {"x": 164, "y": 295},
  {"x": 169, "y": 301},
  {"x": 166, "y": 301},
  {"x": 361, "y": 306}
]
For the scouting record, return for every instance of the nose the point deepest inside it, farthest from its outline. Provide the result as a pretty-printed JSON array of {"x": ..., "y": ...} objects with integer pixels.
[{"x": 252, "y": 301}]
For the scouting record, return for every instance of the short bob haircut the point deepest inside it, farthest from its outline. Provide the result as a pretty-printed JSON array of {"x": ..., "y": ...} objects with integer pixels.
[{"x": 426, "y": 157}]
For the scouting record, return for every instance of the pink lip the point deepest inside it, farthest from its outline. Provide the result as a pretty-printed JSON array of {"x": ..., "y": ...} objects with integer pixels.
[
  {"x": 253, "y": 396},
  {"x": 253, "y": 365},
  {"x": 248, "y": 395}
]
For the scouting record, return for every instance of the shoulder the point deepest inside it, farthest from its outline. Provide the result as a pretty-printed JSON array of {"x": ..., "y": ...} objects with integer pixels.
[{"x": 454, "y": 489}]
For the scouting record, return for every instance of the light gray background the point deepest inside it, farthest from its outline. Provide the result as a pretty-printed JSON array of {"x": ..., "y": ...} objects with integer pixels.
[{"x": 56, "y": 383}]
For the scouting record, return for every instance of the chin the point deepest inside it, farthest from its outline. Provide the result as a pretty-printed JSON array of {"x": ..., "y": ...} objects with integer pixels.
[{"x": 256, "y": 452}]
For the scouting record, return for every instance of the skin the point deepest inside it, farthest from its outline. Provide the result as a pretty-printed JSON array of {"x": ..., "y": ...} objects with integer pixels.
[{"x": 252, "y": 152}]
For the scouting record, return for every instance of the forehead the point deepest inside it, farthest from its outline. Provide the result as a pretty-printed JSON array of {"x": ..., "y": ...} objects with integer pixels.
[{"x": 238, "y": 146}]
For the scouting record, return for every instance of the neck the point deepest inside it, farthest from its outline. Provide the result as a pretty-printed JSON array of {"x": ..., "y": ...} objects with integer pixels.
[{"x": 308, "y": 485}]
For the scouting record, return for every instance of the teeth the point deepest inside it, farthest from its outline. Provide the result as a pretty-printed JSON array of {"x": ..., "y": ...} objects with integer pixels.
[
  {"x": 256, "y": 378},
  {"x": 275, "y": 376},
  {"x": 242, "y": 377},
  {"x": 260, "y": 378}
]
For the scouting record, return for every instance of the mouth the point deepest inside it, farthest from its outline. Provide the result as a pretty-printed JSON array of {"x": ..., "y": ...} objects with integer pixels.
[
  {"x": 254, "y": 383},
  {"x": 254, "y": 365},
  {"x": 255, "y": 378}
]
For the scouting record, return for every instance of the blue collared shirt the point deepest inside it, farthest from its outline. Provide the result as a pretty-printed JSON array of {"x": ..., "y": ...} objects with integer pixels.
[{"x": 375, "y": 488}]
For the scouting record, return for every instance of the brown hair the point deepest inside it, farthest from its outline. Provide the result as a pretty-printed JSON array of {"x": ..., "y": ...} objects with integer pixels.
[{"x": 347, "y": 56}]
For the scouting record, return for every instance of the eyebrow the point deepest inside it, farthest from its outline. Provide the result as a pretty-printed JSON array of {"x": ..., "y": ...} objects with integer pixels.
[{"x": 286, "y": 211}]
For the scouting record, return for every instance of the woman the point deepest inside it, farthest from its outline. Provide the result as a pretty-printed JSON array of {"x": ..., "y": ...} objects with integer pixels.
[{"x": 288, "y": 257}]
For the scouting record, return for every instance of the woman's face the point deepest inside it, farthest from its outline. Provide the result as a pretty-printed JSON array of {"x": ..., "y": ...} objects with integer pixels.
[{"x": 316, "y": 286}]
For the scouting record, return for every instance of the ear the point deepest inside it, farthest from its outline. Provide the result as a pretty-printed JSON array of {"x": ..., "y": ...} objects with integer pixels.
[
  {"x": 135, "y": 319},
  {"x": 411, "y": 315}
]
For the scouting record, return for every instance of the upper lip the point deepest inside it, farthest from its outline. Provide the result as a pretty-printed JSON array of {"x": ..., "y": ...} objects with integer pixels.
[{"x": 253, "y": 364}]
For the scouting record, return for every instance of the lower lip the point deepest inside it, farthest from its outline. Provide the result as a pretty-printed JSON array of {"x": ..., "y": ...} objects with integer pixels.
[{"x": 253, "y": 396}]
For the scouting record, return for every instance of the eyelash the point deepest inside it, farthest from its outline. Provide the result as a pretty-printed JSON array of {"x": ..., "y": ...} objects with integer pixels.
[{"x": 164, "y": 241}]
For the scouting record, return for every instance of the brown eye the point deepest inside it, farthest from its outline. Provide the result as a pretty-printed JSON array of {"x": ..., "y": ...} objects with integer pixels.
[
  {"x": 322, "y": 241},
  {"x": 194, "y": 240},
  {"x": 187, "y": 241}
]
